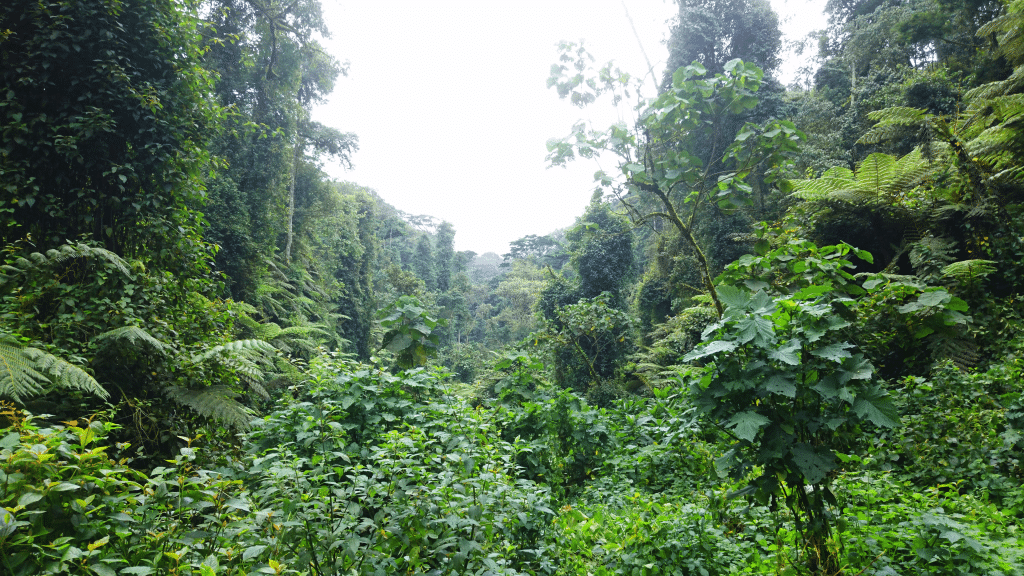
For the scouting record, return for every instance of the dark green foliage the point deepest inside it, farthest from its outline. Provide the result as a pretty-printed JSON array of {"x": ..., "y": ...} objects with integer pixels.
[
  {"x": 601, "y": 245},
  {"x": 423, "y": 263},
  {"x": 715, "y": 32},
  {"x": 960, "y": 427},
  {"x": 106, "y": 114}
]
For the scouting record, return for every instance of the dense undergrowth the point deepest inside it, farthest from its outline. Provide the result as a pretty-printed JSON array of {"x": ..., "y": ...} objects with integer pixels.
[{"x": 359, "y": 471}]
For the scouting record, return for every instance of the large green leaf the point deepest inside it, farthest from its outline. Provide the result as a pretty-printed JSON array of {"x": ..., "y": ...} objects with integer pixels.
[
  {"x": 834, "y": 352},
  {"x": 875, "y": 406},
  {"x": 733, "y": 296},
  {"x": 789, "y": 353},
  {"x": 710, "y": 349},
  {"x": 779, "y": 384},
  {"x": 748, "y": 424},
  {"x": 814, "y": 464}
]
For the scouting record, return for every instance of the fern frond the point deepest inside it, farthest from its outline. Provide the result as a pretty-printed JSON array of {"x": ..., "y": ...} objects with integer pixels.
[
  {"x": 65, "y": 374},
  {"x": 216, "y": 402},
  {"x": 969, "y": 270},
  {"x": 19, "y": 378},
  {"x": 892, "y": 122},
  {"x": 899, "y": 115},
  {"x": 1009, "y": 30},
  {"x": 961, "y": 350},
  {"x": 27, "y": 372},
  {"x": 247, "y": 348},
  {"x": 58, "y": 256},
  {"x": 132, "y": 335}
]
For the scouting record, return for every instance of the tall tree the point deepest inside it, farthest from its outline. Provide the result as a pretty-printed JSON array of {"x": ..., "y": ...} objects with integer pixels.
[
  {"x": 666, "y": 170},
  {"x": 444, "y": 256},
  {"x": 714, "y": 32},
  {"x": 106, "y": 113},
  {"x": 423, "y": 262}
]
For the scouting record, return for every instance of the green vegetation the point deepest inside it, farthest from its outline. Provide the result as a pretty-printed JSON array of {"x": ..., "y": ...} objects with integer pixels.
[{"x": 783, "y": 338}]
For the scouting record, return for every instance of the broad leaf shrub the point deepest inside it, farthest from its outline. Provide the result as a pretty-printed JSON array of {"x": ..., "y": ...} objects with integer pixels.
[
  {"x": 960, "y": 427},
  {"x": 647, "y": 536},
  {"x": 77, "y": 511},
  {"x": 563, "y": 441},
  {"x": 373, "y": 473},
  {"x": 892, "y": 526}
]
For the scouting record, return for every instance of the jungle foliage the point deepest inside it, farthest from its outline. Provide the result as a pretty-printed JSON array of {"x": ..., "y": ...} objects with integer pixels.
[{"x": 783, "y": 338}]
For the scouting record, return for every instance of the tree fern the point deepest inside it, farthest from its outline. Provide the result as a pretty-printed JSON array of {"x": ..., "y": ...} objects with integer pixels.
[
  {"x": 216, "y": 402},
  {"x": 879, "y": 178},
  {"x": 57, "y": 256},
  {"x": 26, "y": 372},
  {"x": 967, "y": 271},
  {"x": 1009, "y": 31},
  {"x": 132, "y": 335}
]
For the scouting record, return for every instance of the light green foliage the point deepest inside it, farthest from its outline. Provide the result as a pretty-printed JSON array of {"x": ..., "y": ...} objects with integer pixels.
[
  {"x": 26, "y": 372},
  {"x": 378, "y": 473},
  {"x": 409, "y": 332},
  {"x": 880, "y": 178}
]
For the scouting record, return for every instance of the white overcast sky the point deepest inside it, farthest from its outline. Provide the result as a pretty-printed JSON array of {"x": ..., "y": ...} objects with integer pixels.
[{"x": 449, "y": 102}]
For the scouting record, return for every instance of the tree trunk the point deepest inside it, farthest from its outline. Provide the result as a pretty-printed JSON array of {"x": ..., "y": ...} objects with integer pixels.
[{"x": 296, "y": 152}]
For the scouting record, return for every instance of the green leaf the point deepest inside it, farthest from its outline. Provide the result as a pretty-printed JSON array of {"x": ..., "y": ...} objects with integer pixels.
[
  {"x": 103, "y": 570},
  {"x": 933, "y": 298},
  {"x": 834, "y": 352},
  {"x": 789, "y": 353},
  {"x": 779, "y": 384},
  {"x": 252, "y": 552},
  {"x": 875, "y": 406},
  {"x": 813, "y": 464},
  {"x": 757, "y": 328},
  {"x": 733, "y": 296},
  {"x": 811, "y": 292},
  {"x": 957, "y": 305},
  {"x": 29, "y": 498},
  {"x": 10, "y": 440},
  {"x": 711, "y": 348},
  {"x": 399, "y": 342},
  {"x": 748, "y": 424},
  {"x": 871, "y": 284}
]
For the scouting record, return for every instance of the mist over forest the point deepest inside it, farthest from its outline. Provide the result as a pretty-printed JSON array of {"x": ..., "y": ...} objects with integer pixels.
[{"x": 783, "y": 337}]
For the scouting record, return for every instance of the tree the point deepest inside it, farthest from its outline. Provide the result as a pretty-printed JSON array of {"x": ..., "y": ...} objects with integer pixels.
[
  {"x": 601, "y": 248},
  {"x": 714, "y": 32},
  {"x": 423, "y": 262},
  {"x": 444, "y": 256},
  {"x": 660, "y": 175},
  {"x": 105, "y": 120}
]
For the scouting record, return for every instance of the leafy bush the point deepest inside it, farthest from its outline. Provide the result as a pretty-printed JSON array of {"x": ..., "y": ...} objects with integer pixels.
[{"x": 376, "y": 473}]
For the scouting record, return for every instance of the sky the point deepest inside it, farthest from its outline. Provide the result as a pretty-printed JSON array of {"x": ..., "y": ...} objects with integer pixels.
[{"x": 452, "y": 112}]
